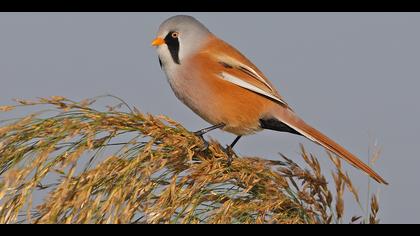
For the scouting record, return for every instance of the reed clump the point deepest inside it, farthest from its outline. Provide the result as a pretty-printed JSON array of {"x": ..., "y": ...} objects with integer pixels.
[{"x": 118, "y": 165}]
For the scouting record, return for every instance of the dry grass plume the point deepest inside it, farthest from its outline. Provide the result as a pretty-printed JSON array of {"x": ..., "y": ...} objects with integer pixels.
[{"x": 113, "y": 166}]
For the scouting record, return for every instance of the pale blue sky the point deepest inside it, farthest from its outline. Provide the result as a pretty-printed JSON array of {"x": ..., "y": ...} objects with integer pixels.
[{"x": 354, "y": 76}]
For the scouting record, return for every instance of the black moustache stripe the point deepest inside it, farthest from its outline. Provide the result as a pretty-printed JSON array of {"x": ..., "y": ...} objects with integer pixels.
[
  {"x": 160, "y": 62},
  {"x": 173, "y": 46}
]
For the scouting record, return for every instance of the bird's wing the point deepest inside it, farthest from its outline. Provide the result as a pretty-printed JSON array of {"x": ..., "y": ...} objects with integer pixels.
[
  {"x": 239, "y": 81},
  {"x": 237, "y": 69}
]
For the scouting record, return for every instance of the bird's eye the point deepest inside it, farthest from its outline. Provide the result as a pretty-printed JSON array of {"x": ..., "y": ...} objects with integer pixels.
[{"x": 175, "y": 35}]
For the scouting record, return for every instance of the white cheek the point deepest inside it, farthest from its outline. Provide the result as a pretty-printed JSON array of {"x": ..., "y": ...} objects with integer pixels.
[
  {"x": 180, "y": 50},
  {"x": 164, "y": 54}
]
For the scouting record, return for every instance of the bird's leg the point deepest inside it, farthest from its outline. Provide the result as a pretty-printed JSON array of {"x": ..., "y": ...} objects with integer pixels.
[
  {"x": 235, "y": 141},
  {"x": 201, "y": 132},
  {"x": 229, "y": 150}
]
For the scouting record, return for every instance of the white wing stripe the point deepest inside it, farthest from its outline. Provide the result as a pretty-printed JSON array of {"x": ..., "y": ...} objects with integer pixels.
[
  {"x": 238, "y": 65},
  {"x": 241, "y": 83},
  {"x": 256, "y": 75}
]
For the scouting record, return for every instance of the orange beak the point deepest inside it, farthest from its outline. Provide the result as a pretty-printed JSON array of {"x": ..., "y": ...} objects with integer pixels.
[{"x": 158, "y": 41}]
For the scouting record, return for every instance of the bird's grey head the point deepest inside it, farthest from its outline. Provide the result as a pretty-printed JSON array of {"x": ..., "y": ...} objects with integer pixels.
[{"x": 178, "y": 37}]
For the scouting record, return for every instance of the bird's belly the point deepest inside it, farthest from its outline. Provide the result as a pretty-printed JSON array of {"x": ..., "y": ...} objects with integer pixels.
[{"x": 237, "y": 108}]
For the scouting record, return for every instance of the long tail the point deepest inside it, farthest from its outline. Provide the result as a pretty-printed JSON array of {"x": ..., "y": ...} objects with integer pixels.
[{"x": 292, "y": 120}]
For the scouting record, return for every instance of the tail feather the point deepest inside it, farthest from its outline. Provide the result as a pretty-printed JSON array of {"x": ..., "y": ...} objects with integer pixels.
[{"x": 292, "y": 120}]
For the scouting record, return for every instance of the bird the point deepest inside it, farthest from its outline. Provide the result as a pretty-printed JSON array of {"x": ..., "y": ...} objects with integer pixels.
[{"x": 223, "y": 87}]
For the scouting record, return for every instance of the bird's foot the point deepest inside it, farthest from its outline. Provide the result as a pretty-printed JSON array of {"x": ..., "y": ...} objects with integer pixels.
[
  {"x": 206, "y": 144},
  {"x": 230, "y": 154},
  {"x": 201, "y": 132}
]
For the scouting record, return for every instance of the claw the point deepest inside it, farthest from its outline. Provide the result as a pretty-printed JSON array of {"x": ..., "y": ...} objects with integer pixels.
[
  {"x": 229, "y": 152},
  {"x": 206, "y": 144},
  {"x": 201, "y": 132}
]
